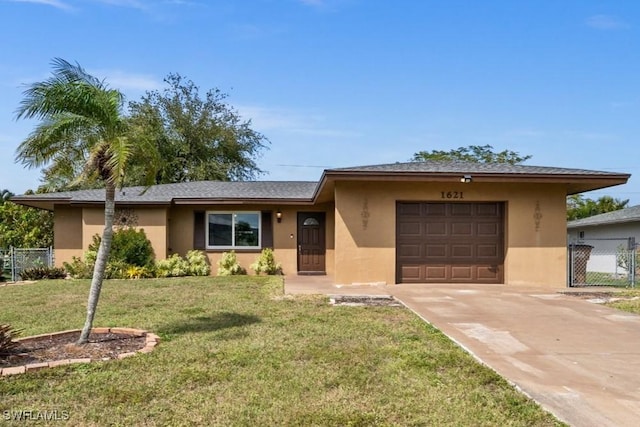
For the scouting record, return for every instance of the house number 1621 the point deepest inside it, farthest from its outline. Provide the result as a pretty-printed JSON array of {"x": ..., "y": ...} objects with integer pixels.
[{"x": 452, "y": 194}]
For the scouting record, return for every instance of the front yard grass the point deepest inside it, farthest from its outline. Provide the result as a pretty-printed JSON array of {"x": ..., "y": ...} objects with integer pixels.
[{"x": 234, "y": 351}]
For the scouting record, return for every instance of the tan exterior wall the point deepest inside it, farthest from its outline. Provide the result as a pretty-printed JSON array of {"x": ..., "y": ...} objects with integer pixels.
[
  {"x": 152, "y": 220},
  {"x": 535, "y": 249},
  {"x": 67, "y": 233},
  {"x": 360, "y": 229},
  {"x": 181, "y": 238}
]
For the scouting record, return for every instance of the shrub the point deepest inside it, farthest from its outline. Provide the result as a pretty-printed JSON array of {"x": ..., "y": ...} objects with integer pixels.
[
  {"x": 129, "y": 246},
  {"x": 137, "y": 272},
  {"x": 174, "y": 266},
  {"x": 266, "y": 263},
  {"x": 7, "y": 336},
  {"x": 628, "y": 259},
  {"x": 198, "y": 263},
  {"x": 40, "y": 273},
  {"x": 79, "y": 269},
  {"x": 116, "y": 270},
  {"x": 228, "y": 265}
]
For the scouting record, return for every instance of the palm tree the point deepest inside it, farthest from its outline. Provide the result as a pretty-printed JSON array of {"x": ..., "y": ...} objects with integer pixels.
[{"x": 81, "y": 116}]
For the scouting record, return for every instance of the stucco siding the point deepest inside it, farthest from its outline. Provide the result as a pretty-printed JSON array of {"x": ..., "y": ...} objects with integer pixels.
[
  {"x": 152, "y": 220},
  {"x": 360, "y": 228},
  {"x": 535, "y": 228},
  {"x": 536, "y": 235},
  {"x": 67, "y": 234}
]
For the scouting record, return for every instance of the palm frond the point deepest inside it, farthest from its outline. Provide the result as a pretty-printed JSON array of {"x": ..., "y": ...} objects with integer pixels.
[
  {"x": 71, "y": 89},
  {"x": 52, "y": 136},
  {"x": 67, "y": 72},
  {"x": 119, "y": 152},
  {"x": 78, "y": 113}
]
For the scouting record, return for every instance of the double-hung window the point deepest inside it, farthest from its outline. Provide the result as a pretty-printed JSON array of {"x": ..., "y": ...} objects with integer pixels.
[{"x": 233, "y": 230}]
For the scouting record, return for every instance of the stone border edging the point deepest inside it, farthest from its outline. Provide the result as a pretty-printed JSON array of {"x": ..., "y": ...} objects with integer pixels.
[{"x": 151, "y": 340}]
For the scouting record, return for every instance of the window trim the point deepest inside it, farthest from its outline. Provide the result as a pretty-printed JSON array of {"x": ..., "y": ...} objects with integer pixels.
[{"x": 233, "y": 231}]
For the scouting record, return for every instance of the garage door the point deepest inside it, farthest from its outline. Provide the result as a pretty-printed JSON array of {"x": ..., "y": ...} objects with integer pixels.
[{"x": 450, "y": 242}]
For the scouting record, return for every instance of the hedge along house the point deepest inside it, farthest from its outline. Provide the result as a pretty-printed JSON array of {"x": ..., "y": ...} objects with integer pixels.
[{"x": 444, "y": 222}]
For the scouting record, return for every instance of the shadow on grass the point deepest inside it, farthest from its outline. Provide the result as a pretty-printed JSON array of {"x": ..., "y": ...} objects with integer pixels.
[{"x": 212, "y": 323}]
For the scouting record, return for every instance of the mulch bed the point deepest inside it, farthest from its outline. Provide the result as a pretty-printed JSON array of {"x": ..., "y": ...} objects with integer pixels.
[
  {"x": 589, "y": 294},
  {"x": 101, "y": 346}
]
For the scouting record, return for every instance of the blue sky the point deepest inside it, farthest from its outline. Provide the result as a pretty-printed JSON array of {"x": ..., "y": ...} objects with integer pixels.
[{"x": 337, "y": 83}]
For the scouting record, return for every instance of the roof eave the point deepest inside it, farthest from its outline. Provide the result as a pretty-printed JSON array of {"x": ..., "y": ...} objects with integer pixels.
[
  {"x": 475, "y": 175},
  {"x": 243, "y": 201},
  {"x": 600, "y": 223},
  {"x": 40, "y": 202},
  {"x": 100, "y": 203},
  {"x": 576, "y": 183}
]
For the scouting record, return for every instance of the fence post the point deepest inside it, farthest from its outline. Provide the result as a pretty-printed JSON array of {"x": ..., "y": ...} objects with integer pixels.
[
  {"x": 571, "y": 272},
  {"x": 12, "y": 255},
  {"x": 633, "y": 248},
  {"x": 632, "y": 263}
]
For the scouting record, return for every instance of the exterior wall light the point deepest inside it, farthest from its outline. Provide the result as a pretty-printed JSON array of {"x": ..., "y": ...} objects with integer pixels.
[
  {"x": 279, "y": 216},
  {"x": 466, "y": 179}
]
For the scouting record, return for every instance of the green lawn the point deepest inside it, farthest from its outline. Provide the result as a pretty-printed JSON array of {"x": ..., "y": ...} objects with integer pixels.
[{"x": 234, "y": 351}]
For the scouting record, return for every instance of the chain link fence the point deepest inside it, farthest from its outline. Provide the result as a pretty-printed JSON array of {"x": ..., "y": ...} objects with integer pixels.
[
  {"x": 603, "y": 262},
  {"x": 13, "y": 261}
]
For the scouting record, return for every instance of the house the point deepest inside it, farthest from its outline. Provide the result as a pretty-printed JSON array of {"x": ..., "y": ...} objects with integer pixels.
[
  {"x": 445, "y": 222},
  {"x": 607, "y": 234}
]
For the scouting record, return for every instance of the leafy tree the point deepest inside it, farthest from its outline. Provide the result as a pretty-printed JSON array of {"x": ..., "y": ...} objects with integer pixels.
[
  {"x": 62, "y": 175},
  {"x": 580, "y": 207},
  {"x": 25, "y": 227},
  {"x": 81, "y": 118},
  {"x": 472, "y": 153},
  {"x": 197, "y": 138}
]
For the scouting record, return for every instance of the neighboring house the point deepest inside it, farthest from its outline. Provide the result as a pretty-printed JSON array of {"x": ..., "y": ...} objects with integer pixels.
[
  {"x": 445, "y": 222},
  {"x": 607, "y": 233}
]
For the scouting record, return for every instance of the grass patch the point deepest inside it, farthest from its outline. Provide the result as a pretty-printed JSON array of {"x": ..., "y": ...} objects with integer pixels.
[
  {"x": 235, "y": 353},
  {"x": 595, "y": 278},
  {"x": 629, "y": 303}
]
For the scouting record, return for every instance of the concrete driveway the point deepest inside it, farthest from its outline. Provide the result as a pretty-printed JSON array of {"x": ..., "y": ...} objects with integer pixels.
[{"x": 579, "y": 360}]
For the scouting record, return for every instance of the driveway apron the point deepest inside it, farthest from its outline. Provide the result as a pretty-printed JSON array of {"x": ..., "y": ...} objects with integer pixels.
[{"x": 578, "y": 359}]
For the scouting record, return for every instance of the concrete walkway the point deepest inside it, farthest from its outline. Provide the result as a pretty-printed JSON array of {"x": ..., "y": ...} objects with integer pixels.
[{"x": 579, "y": 360}]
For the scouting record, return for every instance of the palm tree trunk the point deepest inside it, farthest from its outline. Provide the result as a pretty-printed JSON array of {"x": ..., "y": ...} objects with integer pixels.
[{"x": 101, "y": 261}]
